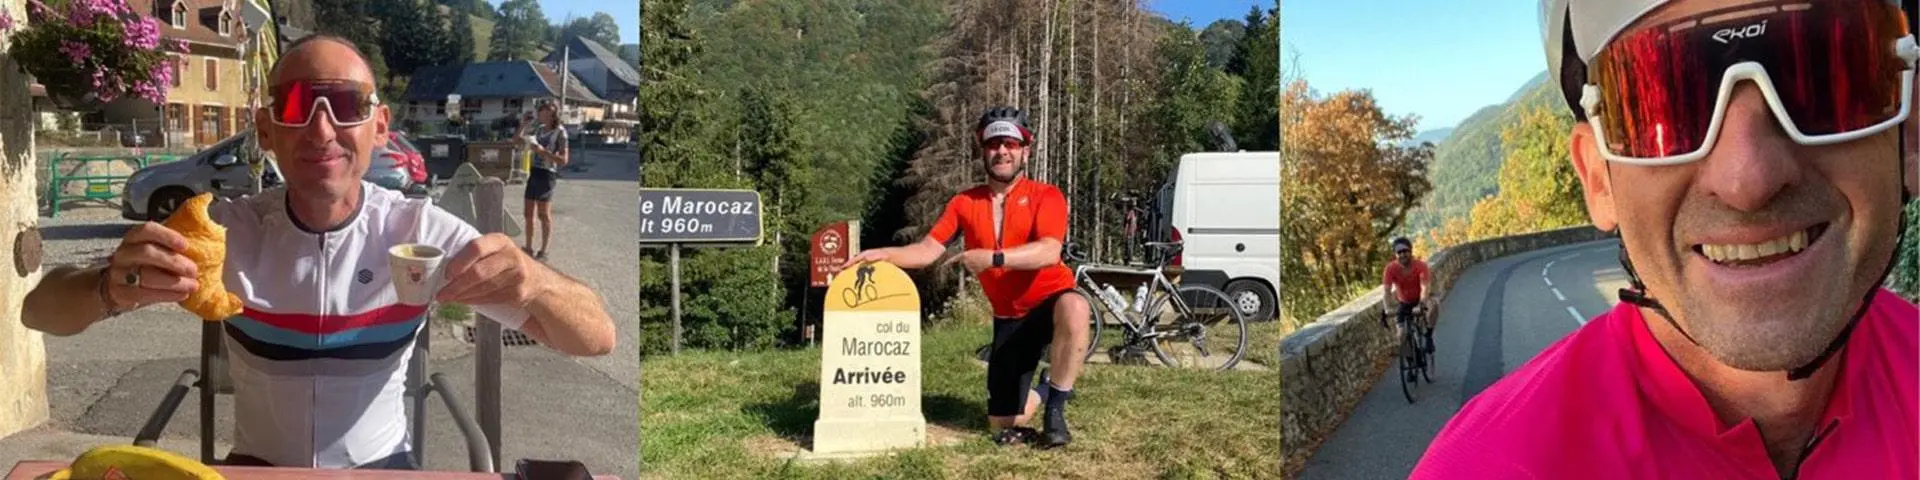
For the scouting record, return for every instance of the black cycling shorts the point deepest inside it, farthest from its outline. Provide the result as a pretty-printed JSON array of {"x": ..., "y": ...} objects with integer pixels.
[
  {"x": 540, "y": 185},
  {"x": 1018, "y": 346}
]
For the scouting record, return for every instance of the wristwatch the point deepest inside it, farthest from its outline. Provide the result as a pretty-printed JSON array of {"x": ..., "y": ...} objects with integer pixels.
[{"x": 999, "y": 259}]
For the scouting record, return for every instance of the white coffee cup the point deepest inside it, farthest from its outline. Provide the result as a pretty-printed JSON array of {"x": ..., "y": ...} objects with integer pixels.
[{"x": 415, "y": 269}]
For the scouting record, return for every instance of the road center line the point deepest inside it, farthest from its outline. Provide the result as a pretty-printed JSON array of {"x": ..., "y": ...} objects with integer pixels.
[
  {"x": 1548, "y": 280},
  {"x": 1556, "y": 294},
  {"x": 1576, "y": 316}
]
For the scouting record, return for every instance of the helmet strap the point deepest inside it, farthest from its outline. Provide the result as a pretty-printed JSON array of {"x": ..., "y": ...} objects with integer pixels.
[{"x": 1636, "y": 293}]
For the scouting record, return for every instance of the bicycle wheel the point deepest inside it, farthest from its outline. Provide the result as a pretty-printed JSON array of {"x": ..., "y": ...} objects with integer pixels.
[
  {"x": 1426, "y": 343},
  {"x": 1409, "y": 372},
  {"x": 1202, "y": 330},
  {"x": 1096, "y": 318}
]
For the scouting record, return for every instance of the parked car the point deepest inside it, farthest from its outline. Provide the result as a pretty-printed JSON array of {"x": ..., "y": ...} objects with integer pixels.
[
  {"x": 153, "y": 193},
  {"x": 416, "y": 163},
  {"x": 390, "y": 168}
]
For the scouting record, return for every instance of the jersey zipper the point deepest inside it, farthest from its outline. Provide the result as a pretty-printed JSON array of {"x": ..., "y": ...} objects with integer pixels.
[
  {"x": 1818, "y": 435},
  {"x": 320, "y": 280}
]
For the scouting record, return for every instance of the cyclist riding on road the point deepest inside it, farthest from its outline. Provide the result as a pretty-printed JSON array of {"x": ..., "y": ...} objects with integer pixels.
[
  {"x": 1013, "y": 229},
  {"x": 1405, "y": 281},
  {"x": 1754, "y": 157}
]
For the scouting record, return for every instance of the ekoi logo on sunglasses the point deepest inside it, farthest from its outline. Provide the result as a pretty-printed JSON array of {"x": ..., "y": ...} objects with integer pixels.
[{"x": 1749, "y": 31}]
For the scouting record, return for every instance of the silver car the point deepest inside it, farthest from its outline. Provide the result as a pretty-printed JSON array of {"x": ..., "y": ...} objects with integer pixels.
[{"x": 153, "y": 192}]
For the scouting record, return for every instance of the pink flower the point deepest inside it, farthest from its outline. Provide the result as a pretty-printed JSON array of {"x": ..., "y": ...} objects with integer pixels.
[
  {"x": 6, "y": 21},
  {"x": 75, "y": 51},
  {"x": 143, "y": 33},
  {"x": 180, "y": 46},
  {"x": 82, "y": 12}
]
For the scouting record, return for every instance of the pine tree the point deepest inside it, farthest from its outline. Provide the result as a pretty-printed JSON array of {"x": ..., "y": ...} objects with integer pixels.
[
  {"x": 352, "y": 20},
  {"x": 415, "y": 34},
  {"x": 519, "y": 33},
  {"x": 1257, "y": 119},
  {"x": 671, "y": 102},
  {"x": 461, "y": 34}
]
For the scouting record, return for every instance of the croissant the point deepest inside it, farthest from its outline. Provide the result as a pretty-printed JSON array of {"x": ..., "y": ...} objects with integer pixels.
[{"x": 207, "y": 247}]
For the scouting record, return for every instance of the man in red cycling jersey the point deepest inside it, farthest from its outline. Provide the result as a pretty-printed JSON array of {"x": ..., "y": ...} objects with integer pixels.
[
  {"x": 1753, "y": 157},
  {"x": 1405, "y": 282},
  {"x": 1013, "y": 229}
]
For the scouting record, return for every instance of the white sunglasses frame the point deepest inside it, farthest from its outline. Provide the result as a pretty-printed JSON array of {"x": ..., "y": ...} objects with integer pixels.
[
  {"x": 1753, "y": 71},
  {"x": 317, "y": 103}
]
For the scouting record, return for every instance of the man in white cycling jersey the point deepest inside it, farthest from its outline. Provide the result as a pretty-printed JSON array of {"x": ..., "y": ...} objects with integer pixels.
[{"x": 319, "y": 353}]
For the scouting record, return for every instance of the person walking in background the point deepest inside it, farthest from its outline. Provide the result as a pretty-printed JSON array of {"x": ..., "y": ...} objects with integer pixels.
[{"x": 550, "y": 152}]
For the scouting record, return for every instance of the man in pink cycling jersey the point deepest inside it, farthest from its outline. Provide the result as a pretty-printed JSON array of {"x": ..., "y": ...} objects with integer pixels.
[
  {"x": 1754, "y": 157},
  {"x": 319, "y": 353}
]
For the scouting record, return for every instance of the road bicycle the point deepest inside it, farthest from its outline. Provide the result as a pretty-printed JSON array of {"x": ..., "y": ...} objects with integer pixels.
[
  {"x": 1416, "y": 350},
  {"x": 1190, "y": 326}
]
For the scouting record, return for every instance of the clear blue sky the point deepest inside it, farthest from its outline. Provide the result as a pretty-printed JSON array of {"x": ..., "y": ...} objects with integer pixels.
[
  {"x": 1440, "y": 59},
  {"x": 626, "y": 13},
  {"x": 1203, "y": 12}
]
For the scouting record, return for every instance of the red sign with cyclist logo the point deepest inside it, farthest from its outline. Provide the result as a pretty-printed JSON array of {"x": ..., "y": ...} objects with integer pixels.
[{"x": 832, "y": 246}]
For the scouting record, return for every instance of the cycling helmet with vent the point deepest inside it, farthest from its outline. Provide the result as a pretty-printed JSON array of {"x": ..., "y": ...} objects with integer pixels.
[{"x": 1004, "y": 122}]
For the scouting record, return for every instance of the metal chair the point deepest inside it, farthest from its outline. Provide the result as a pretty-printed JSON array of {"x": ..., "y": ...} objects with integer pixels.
[{"x": 211, "y": 379}]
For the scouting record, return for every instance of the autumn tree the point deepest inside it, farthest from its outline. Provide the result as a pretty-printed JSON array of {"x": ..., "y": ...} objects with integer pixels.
[{"x": 1538, "y": 187}]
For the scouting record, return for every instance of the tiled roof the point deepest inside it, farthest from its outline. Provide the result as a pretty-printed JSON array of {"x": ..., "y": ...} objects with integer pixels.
[
  {"x": 202, "y": 22},
  {"x": 585, "y": 49},
  {"x": 503, "y": 79}
]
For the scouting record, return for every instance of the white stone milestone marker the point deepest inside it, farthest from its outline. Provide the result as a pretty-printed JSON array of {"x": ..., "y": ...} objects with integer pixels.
[{"x": 870, "y": 363}]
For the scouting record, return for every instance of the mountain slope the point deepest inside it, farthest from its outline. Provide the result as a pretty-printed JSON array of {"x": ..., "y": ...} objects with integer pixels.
[
  {"x": 1466, "y": 164},
  {"x": 1435, "y": 136}
]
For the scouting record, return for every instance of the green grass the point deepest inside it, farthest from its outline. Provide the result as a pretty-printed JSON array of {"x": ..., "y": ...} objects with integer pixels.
[
  {"x": 482, "y": 37},
  {"x": 727, "y": 414},
  {"x": 1263, "y": 343}
]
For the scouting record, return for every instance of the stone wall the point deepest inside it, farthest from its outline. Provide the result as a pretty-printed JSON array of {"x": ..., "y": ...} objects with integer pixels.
[
  {"x": 1328, "y": 365},
  {"x": 23, "y": 354}
]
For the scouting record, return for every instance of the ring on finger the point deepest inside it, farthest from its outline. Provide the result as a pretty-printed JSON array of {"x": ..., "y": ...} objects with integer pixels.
[{"x": 133, "y": 277}]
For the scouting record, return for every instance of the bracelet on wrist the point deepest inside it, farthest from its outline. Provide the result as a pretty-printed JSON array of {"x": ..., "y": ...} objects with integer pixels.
[{"x": 106, "y": 298}]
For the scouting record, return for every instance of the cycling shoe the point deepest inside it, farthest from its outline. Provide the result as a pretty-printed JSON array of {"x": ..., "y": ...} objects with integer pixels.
[{"x": 1015, "y": 435}]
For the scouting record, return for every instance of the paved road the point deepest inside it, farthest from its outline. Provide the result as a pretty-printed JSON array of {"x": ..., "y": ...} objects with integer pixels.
[
  {"x": 104, "y": 382},
  {"x": 1498, "y": 316}
]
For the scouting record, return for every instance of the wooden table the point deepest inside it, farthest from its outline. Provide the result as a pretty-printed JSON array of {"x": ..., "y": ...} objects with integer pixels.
[{"x": 33, "y": 469}]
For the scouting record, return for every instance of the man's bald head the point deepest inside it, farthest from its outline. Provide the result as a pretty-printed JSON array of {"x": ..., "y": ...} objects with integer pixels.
[{"x": 322, "y": 57}]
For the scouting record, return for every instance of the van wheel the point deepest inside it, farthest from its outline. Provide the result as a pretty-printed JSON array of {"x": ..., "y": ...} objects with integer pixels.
[{"x": 1253, "y": 299}]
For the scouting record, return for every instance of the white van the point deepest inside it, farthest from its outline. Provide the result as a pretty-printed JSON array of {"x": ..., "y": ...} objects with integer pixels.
[{"x": 1225, "y": 208}]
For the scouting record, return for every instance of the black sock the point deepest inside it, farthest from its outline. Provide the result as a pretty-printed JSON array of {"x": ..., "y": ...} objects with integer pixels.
[{"x": 1055, "y": 397}]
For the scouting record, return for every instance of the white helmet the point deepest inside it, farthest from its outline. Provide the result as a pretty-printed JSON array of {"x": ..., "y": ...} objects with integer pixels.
[{"x": 1593, "y": 23}]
